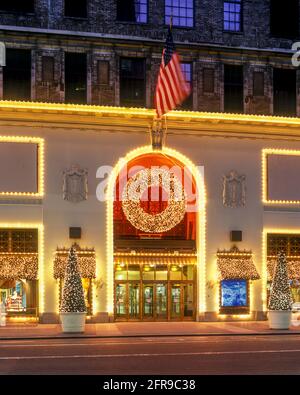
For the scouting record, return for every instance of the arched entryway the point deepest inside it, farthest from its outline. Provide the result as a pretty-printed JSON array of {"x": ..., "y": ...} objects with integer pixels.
[{"x": 155, "y": 237}]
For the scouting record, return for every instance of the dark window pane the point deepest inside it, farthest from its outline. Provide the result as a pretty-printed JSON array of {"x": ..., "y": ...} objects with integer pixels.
[
  {"x": 188, "y": 75},
  {"x": 232, "y": 15},
  {"x": 182, "y": 12},
  {"x": 17, "y": 75},
  {"x": 132, "y": 11},
  {"x": 284, "y": 88},
  {"x": 47, "y": 68},
  {"x": 75, "y": 78},
  {"x": 208, "y": 80},
  {"x": 233, "y": 89},
  {"x": 132, "y": 82},
  {"x": 289, "y": 244},
  {"x": 258, "y": 83},
  {"x": 21, "y": 6},
  {"x": 24, "y": 240},
  {"x": 4, "y": 241},
  {"x": 284, "y": 18},
  {"x": 76, "y": 9}
]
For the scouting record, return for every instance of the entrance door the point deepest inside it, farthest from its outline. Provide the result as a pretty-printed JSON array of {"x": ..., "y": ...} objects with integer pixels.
[
  {"x": 148, "y": 301},
  {"x": 134, "y": 301},
  {"x": 188, "y": 301},
  {"x": 175, "y": 308},
  {"x": 161, "y": 301},
  {"x": 121, "y": 301}
]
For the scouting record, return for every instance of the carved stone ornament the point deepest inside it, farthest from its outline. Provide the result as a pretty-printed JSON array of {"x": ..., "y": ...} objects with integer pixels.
[
  {"x": 234, "y": 190},
  {"x": 75, "y": 184}
]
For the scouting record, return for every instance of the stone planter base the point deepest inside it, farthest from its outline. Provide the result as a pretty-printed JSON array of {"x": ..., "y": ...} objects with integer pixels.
[
  {"x": 73, "y": 322},
  {"x": 280, "y": 319}
]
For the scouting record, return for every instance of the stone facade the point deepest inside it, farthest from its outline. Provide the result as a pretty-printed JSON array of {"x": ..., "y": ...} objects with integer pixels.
[{"x": 49, "y": 33}]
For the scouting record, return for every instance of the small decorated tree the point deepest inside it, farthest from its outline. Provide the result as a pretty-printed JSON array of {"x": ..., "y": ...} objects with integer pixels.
[
  {"x": 72, "y": 309},
  {"x": 280, "y": 304}
]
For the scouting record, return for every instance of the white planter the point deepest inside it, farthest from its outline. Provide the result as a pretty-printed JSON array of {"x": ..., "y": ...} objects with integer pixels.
[
  {"x": 280, "y": 319},
  {"x": 73, "y": 322}
]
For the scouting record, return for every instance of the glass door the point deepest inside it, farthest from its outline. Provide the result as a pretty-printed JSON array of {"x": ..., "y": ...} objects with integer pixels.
[
  {"x": 161, "y": 301},
  {"x": 148, "y": 301},
  {"x": 121, "y": 301},
  {"x": 134, "y": 301},
  {"x": 175, "y": 308},
  {"x": 188, "y": 301}
]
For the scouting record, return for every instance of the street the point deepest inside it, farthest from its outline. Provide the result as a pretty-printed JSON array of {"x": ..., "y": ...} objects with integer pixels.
[{"x": 276, "y": 354}]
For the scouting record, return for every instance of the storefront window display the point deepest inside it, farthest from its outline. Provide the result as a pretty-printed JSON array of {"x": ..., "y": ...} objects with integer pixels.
[
  {"x": 18, "y": 296},
  {"x": 234, "y": 296}
]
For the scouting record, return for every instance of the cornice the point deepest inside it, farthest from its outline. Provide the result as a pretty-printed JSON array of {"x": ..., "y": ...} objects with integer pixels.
[{"x": 118, "y": 119}]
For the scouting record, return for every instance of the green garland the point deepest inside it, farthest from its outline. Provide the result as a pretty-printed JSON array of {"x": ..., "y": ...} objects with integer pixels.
[
  {"x": 72, "y": 295},
  {"x": 281, "y": 297}
]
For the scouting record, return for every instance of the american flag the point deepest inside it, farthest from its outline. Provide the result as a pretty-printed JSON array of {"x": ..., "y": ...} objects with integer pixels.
[{"x": 171, "y": 89}]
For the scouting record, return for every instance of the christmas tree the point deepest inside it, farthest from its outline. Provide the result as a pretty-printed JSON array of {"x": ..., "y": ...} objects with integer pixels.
[
  {"x": 72, "y": 296},
  {"x": 281, "y": 297}
]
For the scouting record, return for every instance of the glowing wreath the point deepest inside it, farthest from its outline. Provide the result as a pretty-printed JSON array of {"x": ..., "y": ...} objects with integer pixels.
[{"x": 135, "y": 188}]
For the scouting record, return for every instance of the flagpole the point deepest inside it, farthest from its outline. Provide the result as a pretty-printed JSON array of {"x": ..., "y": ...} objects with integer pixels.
[{"x": 159, "y": 126}]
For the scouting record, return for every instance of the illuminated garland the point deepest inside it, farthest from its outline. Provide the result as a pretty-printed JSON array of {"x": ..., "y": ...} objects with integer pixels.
[
  {"x": 293, "y": 267},
  {"x": 154, "y": 223},
  {"x": 237, "y": 267},
  {"x": 86, "y": 263},
  {"x": 280, "y": 297},
  {"x": 19, "y": 266}
]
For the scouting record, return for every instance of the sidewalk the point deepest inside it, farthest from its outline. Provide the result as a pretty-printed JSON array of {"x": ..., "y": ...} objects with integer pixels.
[{"x": 140, "y": 329}]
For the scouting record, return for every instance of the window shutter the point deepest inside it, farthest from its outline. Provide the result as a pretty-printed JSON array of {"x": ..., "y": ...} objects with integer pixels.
[{"x": 47, "y": 68}]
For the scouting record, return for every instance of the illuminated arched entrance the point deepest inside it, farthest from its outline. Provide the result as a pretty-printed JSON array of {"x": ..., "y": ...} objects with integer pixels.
[{"x": 155, "y": 275}]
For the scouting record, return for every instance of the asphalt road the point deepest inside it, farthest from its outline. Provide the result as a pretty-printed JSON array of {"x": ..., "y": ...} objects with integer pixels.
[{"x": 169, "y": 355}]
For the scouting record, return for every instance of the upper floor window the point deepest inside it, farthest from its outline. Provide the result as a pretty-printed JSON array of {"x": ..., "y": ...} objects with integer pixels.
[
  {"x": 188, "y": 75},
  {"x": 132, "y": 11},
  {"x": 284, "y": 92},
  {"x": 233, "y": 15},
  {"x": 181, "y": 11},
  {"x": 284, "y": 18},
  {"x": 75, "y": 78},
  {"x": 132, "y": 82},
  {"x": 76, "y": 9},
  {"x": 20, "y": 6},
  {"x": 233, "y": 88},
  {"x": 17, "y": 75}
]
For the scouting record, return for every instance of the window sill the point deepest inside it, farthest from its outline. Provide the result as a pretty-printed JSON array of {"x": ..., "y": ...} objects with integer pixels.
[
  {"x": 18, "y": 13},
  {"x": 234, "y": 310},
  {"x": 181, "y": 27},
  {"x": 132, "y": 23},
  {"x": 76, "y": 18},
  {"x": 239, "y": 33}
]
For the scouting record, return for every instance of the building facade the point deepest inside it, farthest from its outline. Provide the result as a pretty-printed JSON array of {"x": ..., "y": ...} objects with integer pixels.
[{"x": 77, "y": 92}]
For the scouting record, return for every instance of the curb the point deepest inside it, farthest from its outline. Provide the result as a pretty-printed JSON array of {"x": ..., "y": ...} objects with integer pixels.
[{"x": 60, "y": 337}]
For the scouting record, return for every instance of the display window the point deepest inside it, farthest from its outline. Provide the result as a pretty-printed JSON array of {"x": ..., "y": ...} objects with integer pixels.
[
  {"x": 234, "y": 296},
  {"x": 19, "y": 296}
]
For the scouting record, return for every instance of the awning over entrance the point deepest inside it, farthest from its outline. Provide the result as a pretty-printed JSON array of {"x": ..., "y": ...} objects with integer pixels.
[
  {"x": 293, "y": 264},
  {"x": 14, "y": 266},
  {"x": 86, "y": 263},
  {"x": 155, "y": 259},
  {"x": 236, "y": 265}
]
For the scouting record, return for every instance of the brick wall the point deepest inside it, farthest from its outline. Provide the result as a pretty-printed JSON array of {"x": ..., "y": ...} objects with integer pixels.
[{"x": 215, "y": 48}]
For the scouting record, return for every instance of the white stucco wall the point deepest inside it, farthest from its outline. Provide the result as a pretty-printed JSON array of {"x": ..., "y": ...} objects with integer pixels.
[{"x": 91, "y": 149}]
